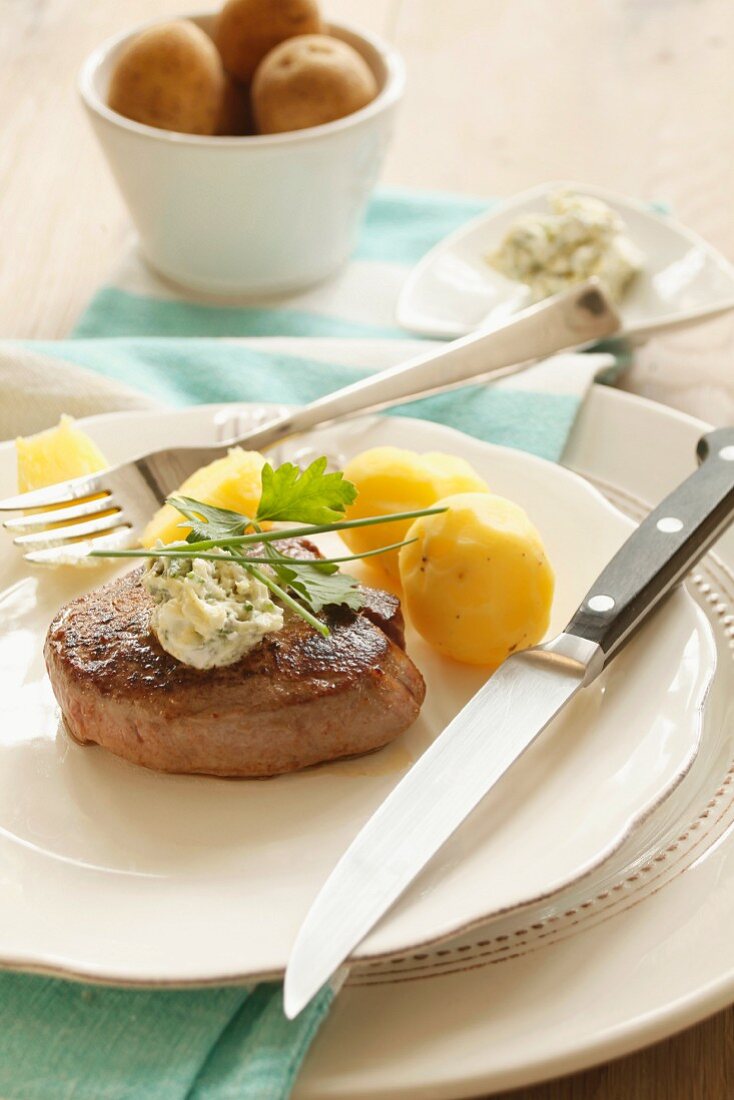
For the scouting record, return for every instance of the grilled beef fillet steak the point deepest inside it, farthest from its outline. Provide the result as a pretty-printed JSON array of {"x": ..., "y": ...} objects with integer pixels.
[{"x": 294, "y": 700}]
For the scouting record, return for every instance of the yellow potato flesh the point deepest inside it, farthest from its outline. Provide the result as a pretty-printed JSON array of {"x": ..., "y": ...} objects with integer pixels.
[
  {"x": 55, "y": 455},
  {"x": 477, "y": 584},
  {"x": 391, "y": 480},
  {"x": 232, "y": 482}
]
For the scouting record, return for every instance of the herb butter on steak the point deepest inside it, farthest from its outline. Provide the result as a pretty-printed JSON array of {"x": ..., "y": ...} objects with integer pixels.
[{"x": 294, "y": 700}]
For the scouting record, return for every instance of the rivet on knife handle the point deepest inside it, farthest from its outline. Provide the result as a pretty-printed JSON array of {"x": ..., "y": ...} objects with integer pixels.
[{"x": 662, "y": 549}]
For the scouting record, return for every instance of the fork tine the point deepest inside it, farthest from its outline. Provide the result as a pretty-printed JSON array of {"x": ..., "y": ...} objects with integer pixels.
[
  {"x": 75, "y": 552},
  {"x": 38, "y": 520},
  {"x": 56, "y": 494},
  {"x": 57, "y": 536}
]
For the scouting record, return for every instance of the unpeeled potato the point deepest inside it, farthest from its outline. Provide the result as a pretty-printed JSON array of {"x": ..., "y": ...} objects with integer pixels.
[
  {"x": 171, "y": 77},
  {"x": 309, "y": 81},
  {"x": 477, "y": 584},
  {"x": 232, "y": 482},
  {"x": 246, "y": 30},
  {"x": 390, "y": 480}
]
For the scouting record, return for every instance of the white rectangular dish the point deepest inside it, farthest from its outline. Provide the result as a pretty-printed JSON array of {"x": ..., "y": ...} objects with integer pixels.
[{"x": 453, "y": 289}]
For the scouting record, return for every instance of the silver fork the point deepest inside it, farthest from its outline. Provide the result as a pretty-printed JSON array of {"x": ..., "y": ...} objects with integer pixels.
[{"x": 108, "y": 510}]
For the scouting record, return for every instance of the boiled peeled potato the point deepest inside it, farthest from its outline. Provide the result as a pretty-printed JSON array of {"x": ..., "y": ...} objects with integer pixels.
[
  {"x": 477, "y": 584},
  {"x": 232, "y": 482},
  {"x": 170, "y": 77},
  {"x": 391, "y": 480}
]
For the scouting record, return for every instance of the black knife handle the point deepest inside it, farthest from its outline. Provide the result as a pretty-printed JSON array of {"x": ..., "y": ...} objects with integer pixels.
[{"x": 664, "y": 547}]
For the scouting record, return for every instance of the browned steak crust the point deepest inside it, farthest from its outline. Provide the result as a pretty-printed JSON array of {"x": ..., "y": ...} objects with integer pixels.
[{"x": 297, "y": 699}]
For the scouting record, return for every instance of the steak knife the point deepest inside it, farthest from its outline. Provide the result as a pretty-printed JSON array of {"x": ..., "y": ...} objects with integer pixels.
[{"x": 504, "y": 718}]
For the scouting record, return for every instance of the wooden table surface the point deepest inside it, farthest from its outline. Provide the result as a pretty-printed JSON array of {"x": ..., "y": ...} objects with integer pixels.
[{"x": 635, "y": 95}]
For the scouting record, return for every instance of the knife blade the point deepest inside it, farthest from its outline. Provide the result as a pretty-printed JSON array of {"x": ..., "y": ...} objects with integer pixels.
[{"x": 515, "y": 706}]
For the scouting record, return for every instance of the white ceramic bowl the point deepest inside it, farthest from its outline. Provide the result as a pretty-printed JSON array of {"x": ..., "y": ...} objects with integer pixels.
[{"x": 247, "y": 215}]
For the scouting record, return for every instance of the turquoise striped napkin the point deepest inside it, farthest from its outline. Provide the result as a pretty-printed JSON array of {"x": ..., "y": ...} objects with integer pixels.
[{"x": 61, "y": 1039}]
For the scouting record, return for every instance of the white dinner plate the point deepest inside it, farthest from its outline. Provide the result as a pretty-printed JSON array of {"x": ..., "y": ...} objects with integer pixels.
[
  {"x": 81, "y": 830},
  {"x": 453, "y": 290}
]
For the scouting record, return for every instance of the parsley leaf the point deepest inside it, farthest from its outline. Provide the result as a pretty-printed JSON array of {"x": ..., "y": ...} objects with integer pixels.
[
  {"x": 304, "y": 496},
  {"x": 319, "y": 584},
  {"x": 207, "y": 521}
]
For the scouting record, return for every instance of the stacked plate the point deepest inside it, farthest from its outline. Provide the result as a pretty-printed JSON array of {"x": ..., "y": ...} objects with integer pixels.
[{"x": 563, "y": 924}]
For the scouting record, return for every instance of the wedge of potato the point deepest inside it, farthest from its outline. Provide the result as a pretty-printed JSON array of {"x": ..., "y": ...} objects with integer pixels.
[{"x": 55, "y": 455}]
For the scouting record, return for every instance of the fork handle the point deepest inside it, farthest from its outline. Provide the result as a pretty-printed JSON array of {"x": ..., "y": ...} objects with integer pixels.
[
  {"x": 656, "y": 557},
  {"x": 573, "y": 319}
]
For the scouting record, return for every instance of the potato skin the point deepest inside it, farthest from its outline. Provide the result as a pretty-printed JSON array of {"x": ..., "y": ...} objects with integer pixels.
[
  {"x": 171, "y": 77},
  {"x": 246, "y": 30},
  {"x": 477, "y": 584},
  {"x": 309, "y": 81},
  {"x": 389, "y": 480}
]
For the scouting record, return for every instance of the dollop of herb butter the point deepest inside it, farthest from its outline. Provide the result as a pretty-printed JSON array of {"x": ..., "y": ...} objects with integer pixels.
[
  {"x": 206, "y": 612},
  {"x": 581, "y": 236}
]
